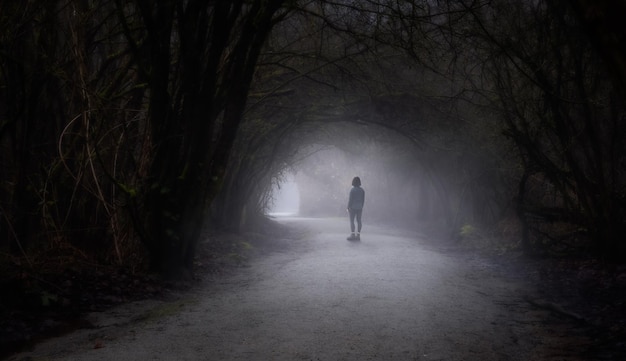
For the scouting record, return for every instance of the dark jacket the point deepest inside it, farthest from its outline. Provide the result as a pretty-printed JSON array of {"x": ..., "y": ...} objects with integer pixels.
[{"x": 357, "y": 198}]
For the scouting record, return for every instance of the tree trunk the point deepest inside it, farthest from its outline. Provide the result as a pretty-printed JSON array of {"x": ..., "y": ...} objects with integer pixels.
[{"x": 195, "y": 111}]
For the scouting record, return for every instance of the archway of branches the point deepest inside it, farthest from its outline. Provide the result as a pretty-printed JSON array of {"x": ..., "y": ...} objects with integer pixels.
[
  {"x": 421, "y": 172},
  {"x": 125, "y": 123}
]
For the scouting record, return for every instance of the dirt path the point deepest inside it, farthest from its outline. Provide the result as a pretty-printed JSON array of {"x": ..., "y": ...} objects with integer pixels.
[{"x": 387, "y": 297}]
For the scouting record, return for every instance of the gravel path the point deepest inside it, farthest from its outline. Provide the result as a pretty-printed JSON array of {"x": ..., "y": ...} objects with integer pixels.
[{"x": 320, "y": 297}]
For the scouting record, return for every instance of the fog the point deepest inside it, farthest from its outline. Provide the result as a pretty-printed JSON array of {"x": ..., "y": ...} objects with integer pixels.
[
  {"x": 397, "y": 190},
  {"x": 286, "y": 197},
  {"x": 435, "y": 176}
]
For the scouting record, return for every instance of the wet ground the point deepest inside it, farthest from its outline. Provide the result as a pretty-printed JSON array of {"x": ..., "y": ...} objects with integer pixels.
[{"x": 317, "y": 296}]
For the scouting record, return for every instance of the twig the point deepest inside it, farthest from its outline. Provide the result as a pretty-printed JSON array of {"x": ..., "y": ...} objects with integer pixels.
[{"x": 17, "y": 240}]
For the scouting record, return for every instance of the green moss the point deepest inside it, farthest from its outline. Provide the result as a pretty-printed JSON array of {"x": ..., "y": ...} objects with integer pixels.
[{"x": 467, "y": 231}]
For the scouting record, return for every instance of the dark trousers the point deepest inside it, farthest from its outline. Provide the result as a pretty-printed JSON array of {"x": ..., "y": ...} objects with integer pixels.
[{"x": 355, "y": 213}]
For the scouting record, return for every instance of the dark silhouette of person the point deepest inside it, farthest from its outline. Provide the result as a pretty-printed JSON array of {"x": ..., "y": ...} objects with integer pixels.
[{"x": 355, "y": 208}]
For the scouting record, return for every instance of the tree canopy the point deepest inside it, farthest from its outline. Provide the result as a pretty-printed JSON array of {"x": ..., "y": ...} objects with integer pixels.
[{"x": 128, "y": 126}]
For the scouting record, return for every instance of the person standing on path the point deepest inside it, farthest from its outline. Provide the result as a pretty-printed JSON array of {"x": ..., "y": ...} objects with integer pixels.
[{"x": 355, "y": 208}]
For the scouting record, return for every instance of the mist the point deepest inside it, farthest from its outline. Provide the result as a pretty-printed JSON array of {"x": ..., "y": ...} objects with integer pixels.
[
  {"x": 398, "y": 190},
  {"x": 285, "y": 197}
]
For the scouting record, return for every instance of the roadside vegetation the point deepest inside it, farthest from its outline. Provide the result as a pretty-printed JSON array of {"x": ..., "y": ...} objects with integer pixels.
[{"x": 134, "y": 132}]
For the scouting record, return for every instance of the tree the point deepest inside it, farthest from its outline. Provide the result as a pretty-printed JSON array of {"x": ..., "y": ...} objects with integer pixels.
[
  {"x": 197, "y": 59},
  {"x": 121, "y": 118},
  {"x": 62, "y": 79},
  {"x": 560, "y": 108},
  {"x": 602, "y": 21}
]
